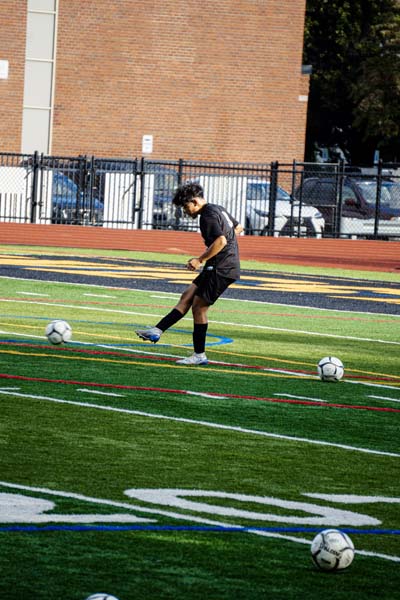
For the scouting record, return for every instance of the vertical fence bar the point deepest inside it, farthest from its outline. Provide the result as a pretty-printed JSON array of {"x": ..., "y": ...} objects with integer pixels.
[
  {"x": 378, "y": 198},
  {"x": 141, "y": 197},
  {"x": 273, "y": 188},
  {"x": 90, "y": 182},
  {"x": 35, "y": 173},
  {"x": 340, "y": 175},
  {"x": 292, "y": 189}
]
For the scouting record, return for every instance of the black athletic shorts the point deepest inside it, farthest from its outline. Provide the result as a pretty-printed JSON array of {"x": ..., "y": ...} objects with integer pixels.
[{"x": 210, "y": 285}]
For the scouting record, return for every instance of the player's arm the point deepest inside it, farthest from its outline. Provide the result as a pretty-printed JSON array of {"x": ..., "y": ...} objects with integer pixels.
[
  {"x": 218, "y": 244},
  {"x": 238, "y": 229}
]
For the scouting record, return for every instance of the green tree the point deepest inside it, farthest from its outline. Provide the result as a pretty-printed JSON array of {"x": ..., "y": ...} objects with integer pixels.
[{"x": 354, "y": 49}]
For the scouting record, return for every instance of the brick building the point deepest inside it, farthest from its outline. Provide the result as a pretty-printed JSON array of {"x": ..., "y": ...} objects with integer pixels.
[{"x": 216, "y": 80}]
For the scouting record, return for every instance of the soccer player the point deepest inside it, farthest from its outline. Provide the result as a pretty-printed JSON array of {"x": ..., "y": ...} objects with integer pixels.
[{"x": 221, "y": 268}]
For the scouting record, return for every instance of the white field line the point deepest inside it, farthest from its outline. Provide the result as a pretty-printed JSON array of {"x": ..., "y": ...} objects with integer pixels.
[
  {"x": 10, "y": 388},
  {"x": 302, "y": 397},
  {"x": 98, "y": 393},
  {"x": 114, "y": 504},
  {"x": 179, "y": 516},
  {"x": 151, "y": 353},
  {"x": 135, "y": 351},
  {"x": 173, "y": 294},
  {"x": 378, "y": 385},
  {"x": 75, "y": 306},
  {"x": 204, "y": 395},
  {"x": 32, "y": 294},
  {"x": 105, "y": 346},
  {"x": 287, "y": 372},
  {"x": 164, "y": 297},
  {"x": 305, "y": 541},
  {"x": 385, "y": 398},
  {"x": 316, "y": 333},
  {"x": 244, "y": 325},
  {"x": 204, "y": 424},
  {"x": 98, "y": 296}
]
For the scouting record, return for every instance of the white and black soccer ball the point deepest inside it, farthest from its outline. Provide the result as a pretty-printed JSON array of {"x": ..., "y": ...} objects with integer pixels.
[
  {"x": 101, "y": 597},
  {"x": 58, "y": 332},
  {"x": 330, "y": 368},
  {"x": 332, "y": 550}
]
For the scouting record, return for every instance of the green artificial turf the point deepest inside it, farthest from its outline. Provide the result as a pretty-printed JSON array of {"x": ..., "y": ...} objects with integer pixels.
[{"x": 88, "y": 425}]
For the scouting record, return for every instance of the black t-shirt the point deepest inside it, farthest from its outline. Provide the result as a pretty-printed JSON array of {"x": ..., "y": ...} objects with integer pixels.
[{"x": 214, "y": 222}]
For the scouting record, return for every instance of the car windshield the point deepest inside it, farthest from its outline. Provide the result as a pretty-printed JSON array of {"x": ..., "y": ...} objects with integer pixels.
[
  {"x": 165, "y": 183},
  {"x": 390, "y": 192},
  {"x": 260, "y": 191},
  {"x": 62, "y": 186}
]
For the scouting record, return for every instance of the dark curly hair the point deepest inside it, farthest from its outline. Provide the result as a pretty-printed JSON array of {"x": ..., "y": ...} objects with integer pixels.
[{"x": 186, "y": 192}]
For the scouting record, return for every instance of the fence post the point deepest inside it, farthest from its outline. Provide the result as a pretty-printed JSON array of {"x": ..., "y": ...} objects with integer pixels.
[
  {"x": 90, "y": 179},
  {"x": 378, "y": 198},
  {"x": 141, "y": 197},
  {"x": 339, "y": 188},
  {"x": 273, "y": 188},
  {"x": 82, "y": 182},
  {"x": 178, "y": 213},
  {"x": 35, "y": 183},
  {"x": 292, "y": 200},
  {"x": 299, "y": 196},
  {"x": 180, "y": 170}
]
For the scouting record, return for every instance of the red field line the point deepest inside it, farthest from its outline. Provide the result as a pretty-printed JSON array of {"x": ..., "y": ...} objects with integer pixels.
[
  {"x": 185, "y": 392},
  {"x": 386, "y": 379}
]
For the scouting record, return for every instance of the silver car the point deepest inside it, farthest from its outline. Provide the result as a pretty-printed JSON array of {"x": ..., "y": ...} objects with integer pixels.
[{"x": 291, "y": 218}]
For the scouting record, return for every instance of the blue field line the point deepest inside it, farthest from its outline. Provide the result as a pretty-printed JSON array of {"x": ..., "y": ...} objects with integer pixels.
[
  {"x": 193, "y": 528},
  {"x": 219, "y": 339},
  {"x": 116, "y": 344}
]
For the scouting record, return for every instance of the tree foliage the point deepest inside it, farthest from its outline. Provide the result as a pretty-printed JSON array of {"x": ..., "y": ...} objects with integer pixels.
[{"x": 354, "y": 49}]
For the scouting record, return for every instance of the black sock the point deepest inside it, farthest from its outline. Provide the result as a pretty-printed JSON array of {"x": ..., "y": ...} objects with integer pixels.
[
  {"x": 199, "y": 337},
  {"x": 170, "y": 319}
]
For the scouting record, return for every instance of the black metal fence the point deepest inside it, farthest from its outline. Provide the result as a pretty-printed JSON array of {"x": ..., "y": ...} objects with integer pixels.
[{"x": 296, "y": 200}]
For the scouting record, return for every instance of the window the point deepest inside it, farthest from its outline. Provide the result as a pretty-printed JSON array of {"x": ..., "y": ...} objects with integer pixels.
[
  {"x": 39, "y": 75},
  {"x": 349, "y": 194}
]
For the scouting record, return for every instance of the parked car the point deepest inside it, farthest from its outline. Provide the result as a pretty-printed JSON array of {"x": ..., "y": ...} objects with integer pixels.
[
  {"x": 291, "y": 218},
  {"x": 165, "y": 215},
  {"x": 138, "y": 185},
  {"x": 70, "y": 206},
  {"x": 358, "y": 209}
]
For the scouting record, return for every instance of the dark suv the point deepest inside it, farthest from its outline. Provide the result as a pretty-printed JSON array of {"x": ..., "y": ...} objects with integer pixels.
[
  {"x": 358, "y": 209},
  {"x": 70, "y": 206}
]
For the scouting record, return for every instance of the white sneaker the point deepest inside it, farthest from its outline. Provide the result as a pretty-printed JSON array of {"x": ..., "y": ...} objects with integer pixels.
[
  {"x": 150, "y": 335},
  {"x": 195, "y": 359}
]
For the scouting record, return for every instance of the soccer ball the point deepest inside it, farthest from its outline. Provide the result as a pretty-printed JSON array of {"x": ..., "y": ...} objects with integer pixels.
[
  {"x": 101, "y": 597},
  {"x": 332, "y": 550},
  {"x": 330, "y": 368},
  {"x": 58, "y": 332}
]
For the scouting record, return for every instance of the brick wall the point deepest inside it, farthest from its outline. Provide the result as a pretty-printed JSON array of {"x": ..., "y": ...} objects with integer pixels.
[
  {"x": 12, "y": 48},
  {"x": 213, "y": 80},
  {"x": 209, "y": 80}
]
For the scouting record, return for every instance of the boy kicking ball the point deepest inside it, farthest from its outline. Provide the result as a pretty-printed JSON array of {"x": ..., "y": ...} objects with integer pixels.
[{"x": 221, "y": 268}]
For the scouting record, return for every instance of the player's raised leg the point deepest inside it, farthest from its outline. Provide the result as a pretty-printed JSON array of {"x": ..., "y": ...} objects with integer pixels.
[{"x": 153, "y": 334}]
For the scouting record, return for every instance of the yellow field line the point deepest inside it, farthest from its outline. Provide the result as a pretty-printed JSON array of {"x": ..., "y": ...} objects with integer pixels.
[
  {"x": 84, "y": 333},
  {"x": 225, "y": 352},
  {"x": 146, "y": 364},
  {"x": 262, "y": 357},
  {"x": 296, "y": 362}
]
